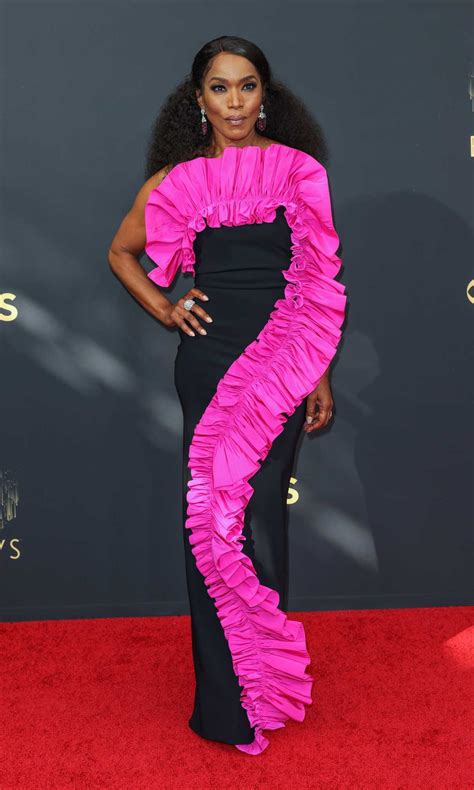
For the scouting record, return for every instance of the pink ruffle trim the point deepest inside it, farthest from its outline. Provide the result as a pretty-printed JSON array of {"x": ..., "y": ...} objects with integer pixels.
[{"x": 267, "y": 382}]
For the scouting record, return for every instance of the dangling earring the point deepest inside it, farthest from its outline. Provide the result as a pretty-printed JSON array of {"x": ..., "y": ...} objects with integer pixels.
[
  {"x": 203, "y": 122},
  {"x": 262, "y": 119}
]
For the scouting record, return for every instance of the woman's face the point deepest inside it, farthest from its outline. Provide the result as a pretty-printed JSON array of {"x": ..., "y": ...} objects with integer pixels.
[{"x": 231, "y": 89}]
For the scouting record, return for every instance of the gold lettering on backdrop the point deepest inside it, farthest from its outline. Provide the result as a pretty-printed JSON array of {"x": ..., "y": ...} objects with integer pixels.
[
  {"x": 9, "y": 499},
  {"x": 293, "y": 495},
  {"x": 12, "y": 311},
  {"x": 470, "y": 291},
  {"x": 12, "y": 545}
]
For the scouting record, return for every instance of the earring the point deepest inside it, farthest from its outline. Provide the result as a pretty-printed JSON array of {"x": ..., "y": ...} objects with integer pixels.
[
  {"x": 203, "y": 122},
  {"x": 262, "y": 119}
]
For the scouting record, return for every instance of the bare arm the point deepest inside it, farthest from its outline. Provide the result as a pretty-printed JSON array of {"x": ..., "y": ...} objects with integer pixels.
[
  {"x": 124, "y": 251},
  {"x": 126, "y": 247}
]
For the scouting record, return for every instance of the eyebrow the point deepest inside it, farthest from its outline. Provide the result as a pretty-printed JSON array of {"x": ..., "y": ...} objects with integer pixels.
[{"x": 222, "y": 79}]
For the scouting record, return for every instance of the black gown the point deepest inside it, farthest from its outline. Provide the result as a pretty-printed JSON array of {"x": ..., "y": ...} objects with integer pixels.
[
  {"x": 255, "y": 228},
  {"x": 240, "y": 270}
]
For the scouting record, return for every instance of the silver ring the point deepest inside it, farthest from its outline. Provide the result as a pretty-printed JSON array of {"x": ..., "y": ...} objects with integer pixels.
[{"x": 188, "y": 303}]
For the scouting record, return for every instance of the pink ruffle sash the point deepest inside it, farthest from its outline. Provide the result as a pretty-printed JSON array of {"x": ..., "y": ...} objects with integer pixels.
[{"x": 263, "y": 386}]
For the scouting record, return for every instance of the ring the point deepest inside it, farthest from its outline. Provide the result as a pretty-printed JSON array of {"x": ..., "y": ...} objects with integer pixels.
[{"x": 188, "y": 303}]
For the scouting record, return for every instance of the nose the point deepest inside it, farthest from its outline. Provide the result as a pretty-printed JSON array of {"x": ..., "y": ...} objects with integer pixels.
[{"x": 234, "y": 98}]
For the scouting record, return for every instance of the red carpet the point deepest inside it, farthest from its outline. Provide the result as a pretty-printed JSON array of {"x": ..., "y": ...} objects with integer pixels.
[{"x": 104, "y": 704}]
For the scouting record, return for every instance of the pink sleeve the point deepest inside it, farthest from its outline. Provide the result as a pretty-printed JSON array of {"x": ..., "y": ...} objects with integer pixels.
[{"x": 165, "y": 228}]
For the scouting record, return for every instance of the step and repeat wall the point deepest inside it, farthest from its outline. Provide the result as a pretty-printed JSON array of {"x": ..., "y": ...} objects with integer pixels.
[{"x": 380, "y": 503}]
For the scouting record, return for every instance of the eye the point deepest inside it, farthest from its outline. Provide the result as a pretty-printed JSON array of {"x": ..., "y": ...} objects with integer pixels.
[{"x": 247, "y": 84}]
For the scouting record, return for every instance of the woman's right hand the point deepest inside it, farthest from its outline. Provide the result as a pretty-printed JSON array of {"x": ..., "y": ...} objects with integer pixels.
[
  {"x": 177, "y": 315},
  {"x": 123, "y": 255}
]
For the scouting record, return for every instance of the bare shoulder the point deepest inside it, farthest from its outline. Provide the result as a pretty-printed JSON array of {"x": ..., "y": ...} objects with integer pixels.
[
  {"x": 156, "y": 179},
  {"x": 131, "y": 235},
  {"x": 144, "y": 192}
]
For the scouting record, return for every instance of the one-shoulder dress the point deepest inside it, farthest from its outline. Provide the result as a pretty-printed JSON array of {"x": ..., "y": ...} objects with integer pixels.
[{"x": 254, "y": 227}]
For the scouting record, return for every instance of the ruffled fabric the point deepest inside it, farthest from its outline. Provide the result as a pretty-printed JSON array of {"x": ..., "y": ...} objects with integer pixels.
[{"x": 254, "y": 398}]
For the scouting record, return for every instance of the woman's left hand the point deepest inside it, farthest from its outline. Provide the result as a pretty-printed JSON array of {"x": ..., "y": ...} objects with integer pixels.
[{"x": 319, "y": 405}]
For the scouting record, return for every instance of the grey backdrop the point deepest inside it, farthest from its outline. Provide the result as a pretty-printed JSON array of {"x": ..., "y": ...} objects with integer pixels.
[{"x": 381, "y": 504}]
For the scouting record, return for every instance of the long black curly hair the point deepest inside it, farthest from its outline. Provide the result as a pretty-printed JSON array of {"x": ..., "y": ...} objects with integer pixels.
[{"x": 176, "y": 132}]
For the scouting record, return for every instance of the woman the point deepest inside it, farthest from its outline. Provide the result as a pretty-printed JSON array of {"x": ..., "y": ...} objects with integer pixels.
[{"x": 248, "y": 214}]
